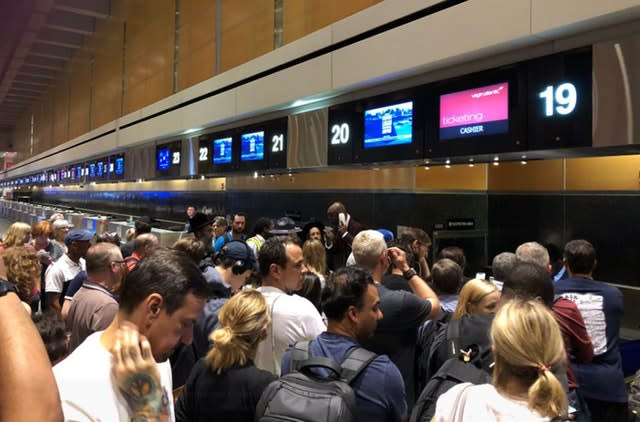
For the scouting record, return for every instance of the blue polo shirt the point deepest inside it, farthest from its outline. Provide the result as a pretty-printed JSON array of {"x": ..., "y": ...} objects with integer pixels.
[
  {"x": 379, "y": 389},
  {"x": 601, "y": 307}
]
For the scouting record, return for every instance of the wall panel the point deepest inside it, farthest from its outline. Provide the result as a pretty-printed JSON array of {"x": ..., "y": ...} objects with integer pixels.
[
  {"x": 149, "y": 53},
  {"x": 459, "y": 177},
  {"x": 107, "y": 71},
  {"x": 604, "y": 173},
  {"x": 247, "y": 31},
  {"x": 196, "y": 42},
  {"x": 61, "y": 110},
  {"x": 80, "y": 95},
  {"x": 301, "y": 17},
  {"x": 385, "y": 178},
  {"x": 534, "y": 176}
]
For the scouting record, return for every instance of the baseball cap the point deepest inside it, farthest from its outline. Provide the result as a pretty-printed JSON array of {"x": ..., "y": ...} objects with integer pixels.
[
  {"x": 60, "y": 224},
  {"x": 240, "y": 251},
  {"x": 77, "y": 234},
  {"x": 388, "y": 235}
]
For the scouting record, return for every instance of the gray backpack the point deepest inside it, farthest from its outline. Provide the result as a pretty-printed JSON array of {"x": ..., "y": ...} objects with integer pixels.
[{"x": 303, "y": 395}]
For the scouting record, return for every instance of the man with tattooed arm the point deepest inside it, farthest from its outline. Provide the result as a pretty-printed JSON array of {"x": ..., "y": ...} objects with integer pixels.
[{"x": 161, "y": 298}]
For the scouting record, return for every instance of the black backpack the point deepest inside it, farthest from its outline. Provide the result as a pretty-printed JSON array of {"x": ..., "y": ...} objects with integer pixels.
[
  {"x": 302, "y": 395},
  {"x": 426, "y": 337},
  {"x": 470, "y": 364},
  {"x": 456, "y": 335}
]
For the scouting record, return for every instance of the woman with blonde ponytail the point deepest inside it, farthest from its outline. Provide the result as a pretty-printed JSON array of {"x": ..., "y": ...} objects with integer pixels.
[
  {"x": 528, "y": 347},
  {"x": 225, "y": 385}
]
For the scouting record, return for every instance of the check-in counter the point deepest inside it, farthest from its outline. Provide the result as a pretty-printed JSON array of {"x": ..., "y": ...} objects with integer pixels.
[
  {"x": 75, "y": 218},
  {"x": 98, "y": 224},
  {"x": 167, "y": 238},
  {"x": 119, "y": 227}
]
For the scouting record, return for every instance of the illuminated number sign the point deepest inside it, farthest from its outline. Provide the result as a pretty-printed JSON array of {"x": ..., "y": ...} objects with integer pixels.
[{"x": 559, "y": 103}]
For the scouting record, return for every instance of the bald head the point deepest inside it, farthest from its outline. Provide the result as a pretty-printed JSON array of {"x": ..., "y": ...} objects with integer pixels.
[
  {"x": 144, "y": 243},
  {"x": 100, "y": 256}
]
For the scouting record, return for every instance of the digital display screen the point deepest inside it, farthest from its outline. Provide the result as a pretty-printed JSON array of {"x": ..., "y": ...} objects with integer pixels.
[
  {"x": 119, "y": 166},
  {"x": 222, "y": 150},
  {"x": 475, "y": 112},
  {"x": 388, "y": 126},
  {"x": 164, "y": 158},
  {"x": 100, "y": 169},
  {"x": 92, "y": 170},
  {"x": 252, "y": 146},
  {"x": 78, "y": 172}
]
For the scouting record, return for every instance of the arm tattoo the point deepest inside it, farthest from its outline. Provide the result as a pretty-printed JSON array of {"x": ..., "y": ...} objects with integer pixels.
[{"x": 147, "y": 399}]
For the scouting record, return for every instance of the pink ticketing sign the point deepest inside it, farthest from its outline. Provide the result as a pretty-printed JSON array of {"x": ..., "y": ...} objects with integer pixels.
[{"x": 475, "y": 112}]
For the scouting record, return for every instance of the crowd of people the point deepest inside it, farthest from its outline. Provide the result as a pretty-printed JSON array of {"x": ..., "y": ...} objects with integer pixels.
[{"x": 213, "y": 327}]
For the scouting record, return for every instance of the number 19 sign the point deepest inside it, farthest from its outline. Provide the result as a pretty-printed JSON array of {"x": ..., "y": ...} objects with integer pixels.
[{"x": 560, "y": 97}]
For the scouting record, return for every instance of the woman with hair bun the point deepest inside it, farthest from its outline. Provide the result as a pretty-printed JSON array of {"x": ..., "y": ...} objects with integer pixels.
[
  {"x": 528, "y": 346},
  {"x": 225, "y": 385}
]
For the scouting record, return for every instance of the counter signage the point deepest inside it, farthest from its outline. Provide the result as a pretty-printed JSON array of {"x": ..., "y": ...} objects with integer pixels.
[
  {"x": 559, "y": 102},
  {"x": 168, "y": 159}
]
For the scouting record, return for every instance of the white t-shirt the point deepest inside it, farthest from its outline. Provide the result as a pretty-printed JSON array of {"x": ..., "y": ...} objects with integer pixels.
[
  {"x": 63, "y": 270},
  {"x": 294, "y": 319},
  {"x": 86, "y": 386},
  {"x": 484, "y": 403}
]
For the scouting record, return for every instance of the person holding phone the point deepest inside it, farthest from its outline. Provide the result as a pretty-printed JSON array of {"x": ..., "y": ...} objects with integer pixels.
[{"x": 339, "y": 235}]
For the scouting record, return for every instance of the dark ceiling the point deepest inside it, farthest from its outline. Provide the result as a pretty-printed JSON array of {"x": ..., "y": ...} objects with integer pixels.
[{"x": 37, "y": 39}]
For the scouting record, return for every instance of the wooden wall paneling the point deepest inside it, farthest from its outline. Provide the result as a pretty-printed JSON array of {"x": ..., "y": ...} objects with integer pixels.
[
  {"x": 247, "y": 31},
  {"x": 107, "y": 72},
  {"x": 321, "y": 13},
  {"x": 196, "y": 39},
  {"x": 402, "y": 178},
  {"x": 604, "y": 173},
  {"x": 61, "y": 110},
  {"x": 149, "y": 53},
  {"x": 80, "y": 95},
  {"x": 458, "y": 177},
  {"x": 294, "y": 20},
  {"x": 534, "y": 176},
  {"x": 196, "y": 67}
]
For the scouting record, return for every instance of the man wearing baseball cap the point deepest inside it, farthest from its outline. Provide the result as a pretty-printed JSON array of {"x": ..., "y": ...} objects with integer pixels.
[
  {"x": 234, "y": 264},
  {"x": 59, "y": 274}
]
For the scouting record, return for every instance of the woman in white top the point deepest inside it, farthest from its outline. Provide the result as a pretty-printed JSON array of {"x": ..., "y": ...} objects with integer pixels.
[{"x": 527, "y": 345}]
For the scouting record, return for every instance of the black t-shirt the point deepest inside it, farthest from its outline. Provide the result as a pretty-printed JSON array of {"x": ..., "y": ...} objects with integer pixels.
[
  {"x": 397, "y": 331},
  {"x": 229, "y": 396},
  {"x": 396, "y": 282}
]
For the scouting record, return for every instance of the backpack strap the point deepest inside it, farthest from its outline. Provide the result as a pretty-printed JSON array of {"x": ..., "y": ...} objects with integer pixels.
[
  {"x": 299, "y": 354},
  {"x": 355, "y": 362},
  {"x": 453, "y": 334}
]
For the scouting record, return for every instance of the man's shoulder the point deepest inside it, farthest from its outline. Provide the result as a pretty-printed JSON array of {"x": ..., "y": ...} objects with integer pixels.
[
  {"x": 581, "y": 285},
  {"x": 296, "y": 305},
  {"x": 87, "y": 364}
]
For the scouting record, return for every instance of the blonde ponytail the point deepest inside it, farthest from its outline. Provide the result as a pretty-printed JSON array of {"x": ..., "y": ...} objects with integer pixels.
[
  {"x": 528, "y": 343},
  {"x": 546, "y": 395},
  {"x": 244, "y": 320}
]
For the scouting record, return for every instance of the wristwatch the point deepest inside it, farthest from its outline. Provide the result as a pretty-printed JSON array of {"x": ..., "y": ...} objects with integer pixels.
[
  {"x": 6, "y": 287},
  {"x": 408, "y": 275}
]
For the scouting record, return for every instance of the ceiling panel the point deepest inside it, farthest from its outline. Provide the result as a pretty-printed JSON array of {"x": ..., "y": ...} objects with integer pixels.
[{"x": 37, "y": 40}]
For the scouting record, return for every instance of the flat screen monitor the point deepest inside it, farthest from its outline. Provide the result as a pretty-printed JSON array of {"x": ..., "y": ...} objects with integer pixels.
[
  {"x": 79, "y": 172},
  {"x": 252, "y": 146},
  {"x": 475, "y": 112},
  {"x": 92, "y": 170},
  {"x": 100, "y": 169},
  {"x": 164, "y": 158},
  {"x": 222, "y": 150},
  {"x": 119, "y": 167},
  {"x": 390, "y": 125}
]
